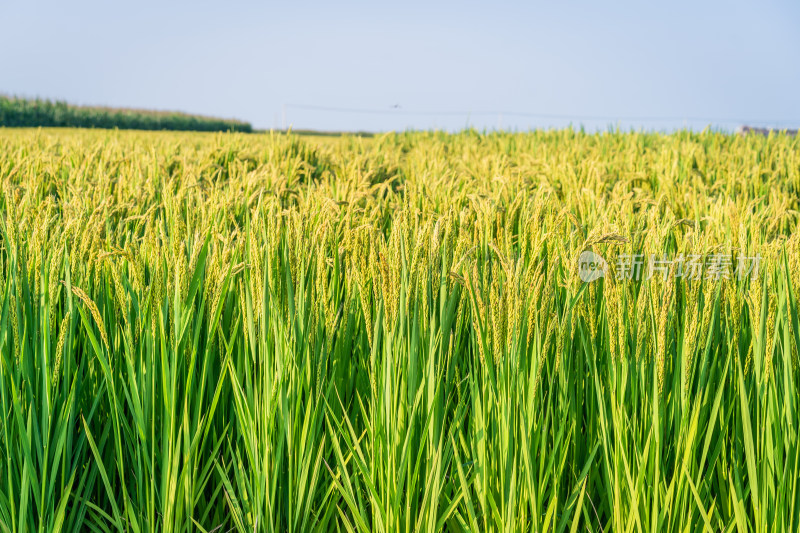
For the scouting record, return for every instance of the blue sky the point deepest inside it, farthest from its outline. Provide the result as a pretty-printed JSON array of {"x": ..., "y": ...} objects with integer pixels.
[{"x": 447, "y": 65}]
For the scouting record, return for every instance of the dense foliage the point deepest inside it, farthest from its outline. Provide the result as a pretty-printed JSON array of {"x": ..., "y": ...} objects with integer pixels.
[
  {"x": 21, "y": 112},
  {"x": 270, "y": 333}
]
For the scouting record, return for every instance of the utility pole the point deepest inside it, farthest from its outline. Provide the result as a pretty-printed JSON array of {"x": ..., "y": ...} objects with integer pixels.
[{"x": 283, "y": 123}]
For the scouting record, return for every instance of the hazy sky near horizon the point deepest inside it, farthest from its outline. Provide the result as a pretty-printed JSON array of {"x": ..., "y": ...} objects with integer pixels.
[{"x": 515, "y": 65}]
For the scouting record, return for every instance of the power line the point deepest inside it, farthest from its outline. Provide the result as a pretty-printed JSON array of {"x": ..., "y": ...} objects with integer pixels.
[{"x": 528, "y": 114}]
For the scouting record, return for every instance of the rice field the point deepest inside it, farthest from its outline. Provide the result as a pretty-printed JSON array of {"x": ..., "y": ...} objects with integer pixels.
[{"x": 230, "y": 332}]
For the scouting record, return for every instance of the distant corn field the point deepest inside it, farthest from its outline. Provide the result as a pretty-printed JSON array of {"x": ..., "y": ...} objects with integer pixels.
[
  {"x": 215, "y": 332},
  {"x": 34, "y": 113}
]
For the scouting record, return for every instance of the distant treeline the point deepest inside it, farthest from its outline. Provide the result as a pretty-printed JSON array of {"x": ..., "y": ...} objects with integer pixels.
[{"x": 23, "y": 112}]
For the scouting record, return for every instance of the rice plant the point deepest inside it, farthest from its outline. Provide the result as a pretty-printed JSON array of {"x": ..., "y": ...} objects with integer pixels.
[{"x": 215, "y": 332}]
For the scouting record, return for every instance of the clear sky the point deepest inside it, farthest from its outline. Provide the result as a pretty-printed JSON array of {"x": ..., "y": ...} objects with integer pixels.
[{"x": 516, "y": 65}]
